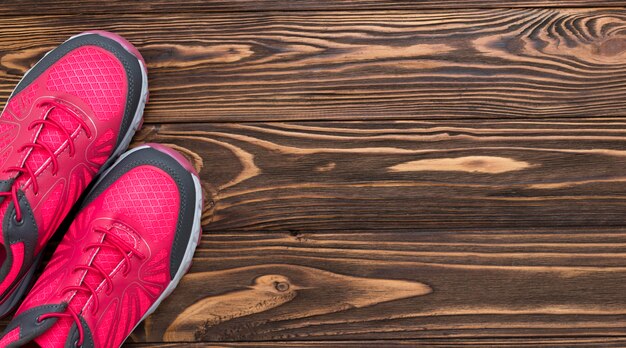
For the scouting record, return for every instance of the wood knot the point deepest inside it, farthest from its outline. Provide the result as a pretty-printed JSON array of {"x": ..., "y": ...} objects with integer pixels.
[
  {"x": 516, "y": 45},
  {"x": 612, "y": 47},
  {"x": 274, "y": 283},
  {"x": 326, "y": 167},
  {"x": 281, "y": 286}
]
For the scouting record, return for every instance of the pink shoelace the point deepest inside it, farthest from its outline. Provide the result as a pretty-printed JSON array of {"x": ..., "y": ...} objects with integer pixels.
[
  {"x": 110, "y": 241},
  {"x": 24, "y": 169},
  {"x": 71, "y": 314}
]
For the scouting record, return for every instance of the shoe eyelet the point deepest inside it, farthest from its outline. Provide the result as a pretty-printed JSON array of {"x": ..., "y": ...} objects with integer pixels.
[{"x": 18, "y": 222}]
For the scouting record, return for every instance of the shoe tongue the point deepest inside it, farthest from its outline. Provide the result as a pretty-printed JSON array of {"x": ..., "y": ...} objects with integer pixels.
[
  {"x": 52, "y": 137},
  {"x": 109, "y": 260}
]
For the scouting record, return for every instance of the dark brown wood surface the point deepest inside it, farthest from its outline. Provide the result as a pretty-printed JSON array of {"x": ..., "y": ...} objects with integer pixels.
[
  {"x": 396, "y": 285},
  {"x": 376, "y": 176},
  {"x": 363, "y": 65},
  {"x": 382, "y": 173},
  {"x": 111, "y": 7},
  {"x": 452, "y": 343}
]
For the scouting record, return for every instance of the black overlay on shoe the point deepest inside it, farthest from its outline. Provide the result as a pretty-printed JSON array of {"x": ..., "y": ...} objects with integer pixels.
[
  {"x": 14, "y": 231},
  {"x": 30, "y": 325},
  {"x": 5, "y": 186},
  {"x": 73, "y": 336}
]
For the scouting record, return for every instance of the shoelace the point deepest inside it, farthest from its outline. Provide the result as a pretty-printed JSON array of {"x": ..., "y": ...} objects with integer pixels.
[
  {"x": 71, "y": 314},
  {"x": 24, "y": 169},
  {"x": 110, "y": 241}
]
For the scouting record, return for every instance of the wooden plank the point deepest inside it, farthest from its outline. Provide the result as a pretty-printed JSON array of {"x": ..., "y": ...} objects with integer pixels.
[
  {"x": 488, "y": 285},
  {"x": 503, "y": 342},
  {"x": 61, "y": 7},
  {"x": 326, "y": 176},
  {"x": 500, "y": 63}
]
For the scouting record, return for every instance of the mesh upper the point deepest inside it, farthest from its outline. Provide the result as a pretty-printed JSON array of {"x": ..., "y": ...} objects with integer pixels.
[
  {"x": 94, "y": 75},
  {"x": 147, "y": 196}
]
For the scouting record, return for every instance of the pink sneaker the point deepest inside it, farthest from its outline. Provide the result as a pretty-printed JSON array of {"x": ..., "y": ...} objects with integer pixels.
[
  {"x": 67, "y": 119},
  {"x": 126, "y": 250}
]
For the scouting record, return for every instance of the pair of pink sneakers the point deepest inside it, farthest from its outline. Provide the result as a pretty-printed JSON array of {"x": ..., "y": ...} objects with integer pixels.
[{"x": 132, "y": 236}]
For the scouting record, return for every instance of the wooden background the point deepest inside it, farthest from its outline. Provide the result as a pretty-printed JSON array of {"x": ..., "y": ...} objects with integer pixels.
[{"x": 382, "y": 173}]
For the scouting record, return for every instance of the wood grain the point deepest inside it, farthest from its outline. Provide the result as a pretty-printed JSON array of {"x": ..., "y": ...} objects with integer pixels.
[
  {"x": 480, "y": 64},
  {"x": 502, "y": 342},
  {"x": 381, "y": 173},
  {"x": 326, "y": 176},
  {"x": 62, "y": 7},
  {"x": 270, "y": 291},
  {"x": 397, "y": 285}
]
